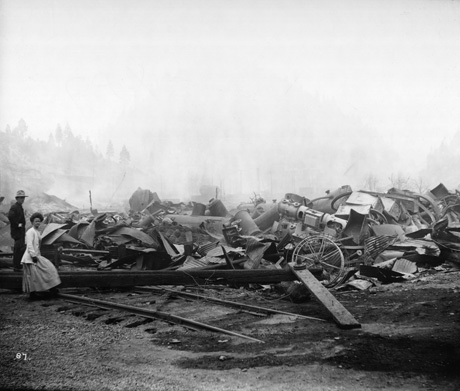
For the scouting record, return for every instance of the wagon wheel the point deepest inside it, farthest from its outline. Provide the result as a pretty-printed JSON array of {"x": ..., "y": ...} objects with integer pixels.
[
  {"x": 432, "y": 211},
  {"x": 320, "y": 252},
  {"x": 449, "y": 200},
  {"x": 334, "y": 205},
  {"x": 377, "y": 217},
  {"x": 451, "y": 208}
]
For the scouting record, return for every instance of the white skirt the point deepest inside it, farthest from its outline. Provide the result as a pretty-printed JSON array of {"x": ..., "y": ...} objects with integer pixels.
[{"x": 39, "y": 276}]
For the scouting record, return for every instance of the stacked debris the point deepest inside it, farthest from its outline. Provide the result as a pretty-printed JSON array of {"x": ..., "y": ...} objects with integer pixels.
[{"x": 348, "y": 238}]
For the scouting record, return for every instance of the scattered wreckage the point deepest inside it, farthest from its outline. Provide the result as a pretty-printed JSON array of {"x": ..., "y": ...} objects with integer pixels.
[{"x": 344, "y": 240}]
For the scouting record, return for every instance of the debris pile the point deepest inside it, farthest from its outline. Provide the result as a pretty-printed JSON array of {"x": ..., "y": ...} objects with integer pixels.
[{"x": 347, "y": 239}]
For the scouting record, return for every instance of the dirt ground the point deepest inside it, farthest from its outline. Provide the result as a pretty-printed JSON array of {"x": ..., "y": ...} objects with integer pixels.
[{"x": 409, "y": 340}]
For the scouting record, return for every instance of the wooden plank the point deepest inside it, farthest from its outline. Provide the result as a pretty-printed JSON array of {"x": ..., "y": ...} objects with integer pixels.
[
  {"x": 118, "y": 278},
  {"x": 341, "y": 316},
  {"x": 227, "y": 259}
]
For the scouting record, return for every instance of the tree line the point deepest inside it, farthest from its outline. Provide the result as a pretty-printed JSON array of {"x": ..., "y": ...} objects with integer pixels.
[{"x": 28, "y": 163}]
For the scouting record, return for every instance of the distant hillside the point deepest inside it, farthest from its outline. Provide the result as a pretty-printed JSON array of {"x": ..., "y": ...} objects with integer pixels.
[{"x": 65, "y": 166}]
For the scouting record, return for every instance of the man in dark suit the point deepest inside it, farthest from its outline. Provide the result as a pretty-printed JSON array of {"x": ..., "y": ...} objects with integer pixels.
[{"x": 18, "y": 229}]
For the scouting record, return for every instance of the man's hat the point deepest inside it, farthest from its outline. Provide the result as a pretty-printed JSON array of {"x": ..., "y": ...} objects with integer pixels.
[{"x": 20, "y": 194}]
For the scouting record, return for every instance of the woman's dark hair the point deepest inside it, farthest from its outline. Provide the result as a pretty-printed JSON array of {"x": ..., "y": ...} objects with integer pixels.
[{"x": 35, "y": 215}]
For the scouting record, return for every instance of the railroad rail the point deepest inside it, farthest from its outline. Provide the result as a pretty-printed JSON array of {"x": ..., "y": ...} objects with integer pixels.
[
  {"x": 146, "y": 313},
  {"x": 225, "y": 302}
]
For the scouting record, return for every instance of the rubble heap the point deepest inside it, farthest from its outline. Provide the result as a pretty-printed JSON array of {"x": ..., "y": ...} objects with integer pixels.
[{"x": 348, "y": 239}]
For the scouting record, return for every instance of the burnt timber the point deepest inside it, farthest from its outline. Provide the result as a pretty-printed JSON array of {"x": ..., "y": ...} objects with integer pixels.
[{"x": 119, "y": 279}]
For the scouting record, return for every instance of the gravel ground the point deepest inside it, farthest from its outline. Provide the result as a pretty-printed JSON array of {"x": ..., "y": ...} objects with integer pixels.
[{"x": 409, "y": 341}]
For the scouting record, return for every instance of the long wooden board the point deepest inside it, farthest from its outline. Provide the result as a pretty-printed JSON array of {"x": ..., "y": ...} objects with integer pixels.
[
  {"x": 118, "y": 278},
  {"x": 342, "y": 317}
]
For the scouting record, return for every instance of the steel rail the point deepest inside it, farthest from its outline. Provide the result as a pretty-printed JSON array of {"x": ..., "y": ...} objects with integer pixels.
[
  {"x": 226, "y": 302},
  {"x": 150, "y": 314}
]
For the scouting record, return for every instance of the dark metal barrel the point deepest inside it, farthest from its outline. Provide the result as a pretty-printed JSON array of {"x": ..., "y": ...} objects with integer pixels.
[
  {"x": 247, "y": 224},
  {"x": 266, "y": 220},
  {"x": 217, "y": 208},
  {"x": 198, "y": 209}
]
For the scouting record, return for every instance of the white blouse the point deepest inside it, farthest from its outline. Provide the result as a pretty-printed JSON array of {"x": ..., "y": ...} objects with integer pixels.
[{"x": 33, "y": 240}]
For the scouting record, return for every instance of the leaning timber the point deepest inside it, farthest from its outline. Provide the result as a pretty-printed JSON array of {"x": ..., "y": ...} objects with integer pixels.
[{"x": 342, "y": 317}]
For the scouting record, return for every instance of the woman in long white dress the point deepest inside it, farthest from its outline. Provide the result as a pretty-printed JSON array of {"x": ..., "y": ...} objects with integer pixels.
[{"x": 39, "y": 273}]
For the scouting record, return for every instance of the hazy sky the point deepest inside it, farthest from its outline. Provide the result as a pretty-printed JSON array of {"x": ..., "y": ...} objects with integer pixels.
[{"x": 217, "y": 70}]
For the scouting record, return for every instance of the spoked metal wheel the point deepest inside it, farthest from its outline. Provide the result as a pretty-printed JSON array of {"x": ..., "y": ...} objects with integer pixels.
[
  {"x": 450, "y": 203},
  {"x": 322, "y": 255}
]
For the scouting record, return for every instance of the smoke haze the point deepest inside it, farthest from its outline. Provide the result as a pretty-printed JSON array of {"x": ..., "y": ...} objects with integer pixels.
[{"x": 260, "y": 96}]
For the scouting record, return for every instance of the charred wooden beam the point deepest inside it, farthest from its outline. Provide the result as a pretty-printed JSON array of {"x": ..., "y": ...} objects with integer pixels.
[
  {"x": 117, "y": 278},
  {"x": 84, "y": 251}
]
